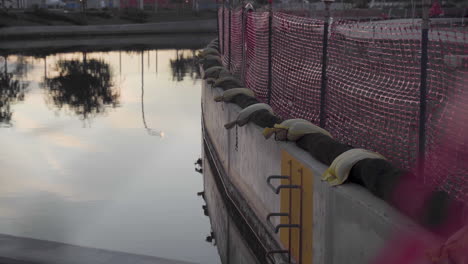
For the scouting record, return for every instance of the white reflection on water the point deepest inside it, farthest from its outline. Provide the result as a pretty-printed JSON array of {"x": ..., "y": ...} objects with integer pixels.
[{"x": 102, "y": 179}]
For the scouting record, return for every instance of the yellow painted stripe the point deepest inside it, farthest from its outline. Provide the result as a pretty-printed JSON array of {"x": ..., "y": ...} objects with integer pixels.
[{"x": 291, "y": 202}]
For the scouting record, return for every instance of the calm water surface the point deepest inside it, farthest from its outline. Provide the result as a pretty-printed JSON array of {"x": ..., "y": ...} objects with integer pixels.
[{"x": 97, "y": 149}]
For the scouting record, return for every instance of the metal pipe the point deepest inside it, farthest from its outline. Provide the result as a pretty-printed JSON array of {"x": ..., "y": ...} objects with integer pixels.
[
  {"x": 323, "y": 88},
  {"x": 229, "y": 39},
  {"x": 222, "y": 20},
  {"x": 217, "y": 21},
  {"x": 423, "y": 85}
]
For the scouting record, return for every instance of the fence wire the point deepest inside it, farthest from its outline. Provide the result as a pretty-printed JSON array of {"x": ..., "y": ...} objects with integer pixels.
[
  {"x": 236, "y": 42},
  {"x": 296, "y": 66},
  {"x": 447, "y": 126},
  {"x": 256, "y": 72},
  {"x": 373, "y": 88}
]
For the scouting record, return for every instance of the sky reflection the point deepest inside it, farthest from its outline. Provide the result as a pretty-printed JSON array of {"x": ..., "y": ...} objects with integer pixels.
[{"x": 82, "y": 156}]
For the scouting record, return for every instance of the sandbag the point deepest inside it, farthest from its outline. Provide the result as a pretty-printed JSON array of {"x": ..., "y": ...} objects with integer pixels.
[
  {"x": 244, "y": 115},
  {"x": 340, "y": 168},
  {"x": 293, "y": 129},
  {"x": 228, "y": 95}
]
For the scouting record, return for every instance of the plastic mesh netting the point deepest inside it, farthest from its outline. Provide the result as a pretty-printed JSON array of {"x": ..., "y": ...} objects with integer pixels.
[
  {"x": 296, "y": 66},
  {"x": 373, "y": 85},
  {"x": 256, "y": 72},
  {"x": 236, "y": 42},
  {"x": 373, "y": 88},
  {"x": 225, "y": 45},
  {"x": 447, "y": 127}
]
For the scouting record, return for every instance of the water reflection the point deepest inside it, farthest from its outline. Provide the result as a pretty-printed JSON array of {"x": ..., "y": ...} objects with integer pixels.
[
  {"x": 183, "y": 66},
  {"x": 85, "y": 87},
  {"x": 151, "y": 131},
  {"x": 109, "y": 184},
  {"x": 11, "y": 91}
]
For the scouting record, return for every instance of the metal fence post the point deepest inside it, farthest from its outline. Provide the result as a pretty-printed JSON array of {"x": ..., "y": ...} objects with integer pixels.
[
  {"x": 242, "y": 42},
  {"x": 222, "y": 20},
  {"x": 229, "y": 29},
  {"x": 246, "y": 9},
  {"x": 270, "y": 34},
  {"x": 217, "y": 22},
  {"x": 423, "y": 85},
  {"x": 323, "y": 88}
]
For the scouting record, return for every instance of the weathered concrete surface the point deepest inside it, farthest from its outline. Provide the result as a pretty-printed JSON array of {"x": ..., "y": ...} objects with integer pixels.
[
  {"x": 199, "y": 26},
  {"x": 231, "y": 245},
  {"x": 17, "y": 250},
  {"x": 350, "y": 225},
  {"x": 182, "y": 41},
  {"x": 217, "y": 212},
  {"x": 239, "y": 252},
  {"x": 217, "y": 116},
  {"x": 247, "y": 164}
]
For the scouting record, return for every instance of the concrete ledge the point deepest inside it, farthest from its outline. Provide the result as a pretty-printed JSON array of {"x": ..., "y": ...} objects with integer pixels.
[
  {"x": 196, "y": 26},
  {"x": 18, "y": 250}
]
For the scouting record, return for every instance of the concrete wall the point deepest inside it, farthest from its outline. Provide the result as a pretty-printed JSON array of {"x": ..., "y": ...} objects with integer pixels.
[
  {"x": 176, "y": 41},
  {"x": 350, "y": 225},
  {"x": 199, "y": 26},
  {"x": 21, "y": 250}
]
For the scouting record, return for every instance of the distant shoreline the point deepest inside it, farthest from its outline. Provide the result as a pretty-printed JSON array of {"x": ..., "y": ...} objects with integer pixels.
[{"x": 162, "y": 28}]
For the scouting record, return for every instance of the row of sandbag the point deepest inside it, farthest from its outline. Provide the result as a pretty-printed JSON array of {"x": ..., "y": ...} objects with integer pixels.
[{"x": 346, "y": 164}]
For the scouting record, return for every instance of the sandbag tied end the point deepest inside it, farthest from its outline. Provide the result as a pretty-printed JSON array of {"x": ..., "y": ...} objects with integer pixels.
[
  {"x": 293, "y": 129},
  {"x": 214, "y": 44},
  {"x": 244, "y": 116},
  {"x": 212, "y": 72},
  {"x": 339, "y": 170},
  {"x": 227, "y": 83},
  {"x": 216, "y": 72},
  {"x": 228, "y": 95},
  {"x": 207, "y": 51},
  {"x": 210, "y": 61}
]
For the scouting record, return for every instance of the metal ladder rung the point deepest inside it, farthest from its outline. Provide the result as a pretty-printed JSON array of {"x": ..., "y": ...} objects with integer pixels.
[
  {"x": 277, "y": 189},
  {"x": 276, "y": 214},
  {"x": 278, "y": 227},
  {"x": 272, "y": 226}
]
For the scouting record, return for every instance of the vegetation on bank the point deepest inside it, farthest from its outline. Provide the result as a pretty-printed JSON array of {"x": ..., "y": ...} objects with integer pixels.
[{"x": 42, "y": 17}]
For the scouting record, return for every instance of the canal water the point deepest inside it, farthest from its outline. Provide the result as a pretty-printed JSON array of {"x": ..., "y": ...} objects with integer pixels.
[{"x": 97, "y": 149}]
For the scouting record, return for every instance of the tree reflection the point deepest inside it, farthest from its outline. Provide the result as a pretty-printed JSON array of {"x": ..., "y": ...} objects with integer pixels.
[
  {"x": 85, "y": 87},
  {"x": 11, "y": 91},
  {"x": 182, "y": 66}
]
